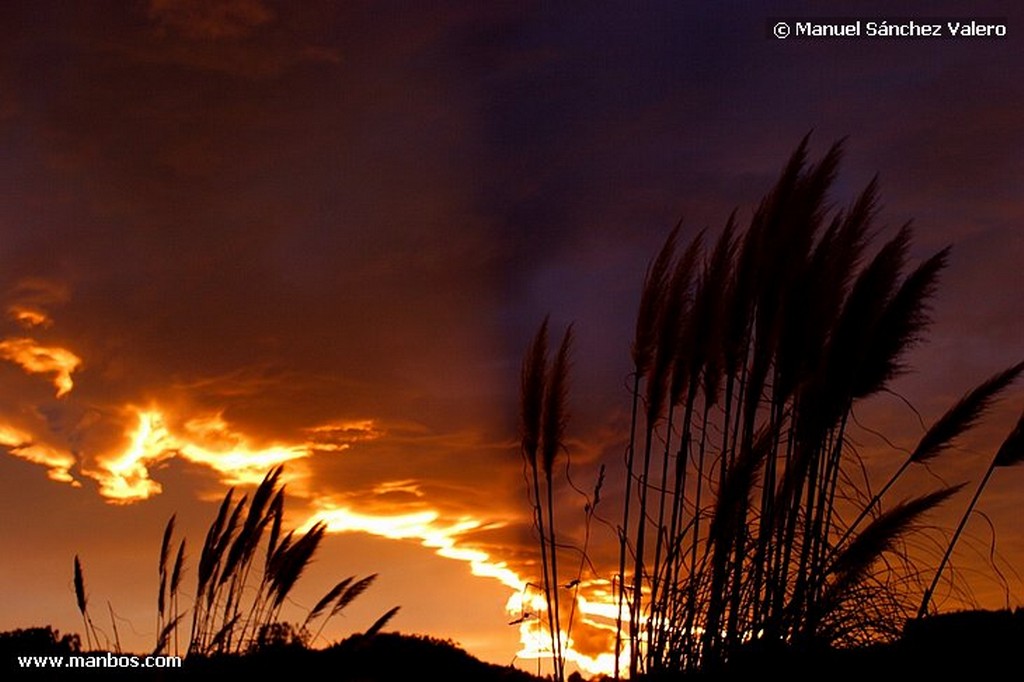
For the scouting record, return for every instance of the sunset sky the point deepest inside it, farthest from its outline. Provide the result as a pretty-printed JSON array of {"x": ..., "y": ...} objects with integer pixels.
[{"x": 238, "y": 233}]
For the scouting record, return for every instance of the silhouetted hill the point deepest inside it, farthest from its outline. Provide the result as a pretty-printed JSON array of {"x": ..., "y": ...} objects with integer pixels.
[
  {"x": 386, "y": 657},
  {"x": 958, "y": 646},
  {"x": 965, "y": 645}
]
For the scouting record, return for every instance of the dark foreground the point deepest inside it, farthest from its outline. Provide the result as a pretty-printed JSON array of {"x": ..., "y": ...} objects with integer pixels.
[
  {"x": 962, "y": 646},
  {"x": 386, "y": 657}
]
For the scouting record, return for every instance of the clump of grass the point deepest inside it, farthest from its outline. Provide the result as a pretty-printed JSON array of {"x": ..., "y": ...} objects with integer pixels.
[
  {"x": 241, "y": 583},
  {"x": 748, "y": 360}
]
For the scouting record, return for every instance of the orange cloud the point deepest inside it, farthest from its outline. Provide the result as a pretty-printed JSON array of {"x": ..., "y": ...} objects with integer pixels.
[
  {"x": 209, "y": 440},
  {"x": 39, "y": 292},
  {"x": 37, "y": 359},
  {"x": 29, "y": 316},
  {"x": 20, "y": 444},
  {"x": 525, "y": 602},
  {"x": 340, "y": 435}
]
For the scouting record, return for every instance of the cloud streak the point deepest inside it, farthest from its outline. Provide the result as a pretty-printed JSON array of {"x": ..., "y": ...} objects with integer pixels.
[{"x": 38, "y": 359}]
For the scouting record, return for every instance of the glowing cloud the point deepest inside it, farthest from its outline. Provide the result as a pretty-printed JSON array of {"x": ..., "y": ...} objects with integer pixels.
[
  {"x": 525, "y": 605},
  {"x": 29, "y": 316},
  {"x": 425, "y": 527},
  {"x": 209, "y": 440},
  {"x": 20, "y": 444},
  {"x": 596, "y": 616},
  {"x": 339, "y": 435},
  {"x": 36, "y": 359}
]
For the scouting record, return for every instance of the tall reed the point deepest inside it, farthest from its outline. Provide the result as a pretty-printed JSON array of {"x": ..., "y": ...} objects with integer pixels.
[
  {"x": 543, "y": 416},
  {"x": 749, "y": 358}
]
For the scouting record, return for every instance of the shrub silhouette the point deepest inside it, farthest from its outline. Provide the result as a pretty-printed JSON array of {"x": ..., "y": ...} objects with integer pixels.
[{"x": 748, "y": 359}]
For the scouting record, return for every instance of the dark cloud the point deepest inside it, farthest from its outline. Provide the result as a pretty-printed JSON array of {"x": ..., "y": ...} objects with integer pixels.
[{"x": 219, "y": 20}]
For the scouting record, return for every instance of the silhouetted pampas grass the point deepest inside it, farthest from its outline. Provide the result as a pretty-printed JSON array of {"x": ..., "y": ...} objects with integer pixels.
[
  {"x": 543, "y": 416},
  {"x": 82, "y": 601},
  {"x": 239, "y": 595},
  {"x": 1010, "y": 453},
  {"x": 748, "y": 361}
]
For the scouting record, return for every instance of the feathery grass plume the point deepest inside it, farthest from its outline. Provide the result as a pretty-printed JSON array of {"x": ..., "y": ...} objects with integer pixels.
[
  {"x": 345, "y": 592},
  {"x": 677, "y": 334},
  {"x": 880, "y": 536},
  {"x": 531, "y": 423},
  {"x": 672, "y": 323},
  {"x": 352, "y": 591},
  {"x": 831, "y": 390},
  {"x": 176, "y": 572},
  {"x": 80, "y": 597},
  {"x": 681, "y": 331},
  {"x": 652, "y": 304},
  {"x": 379, "y": 624},
  {"x": 276, "y": 513},
  {"x": 740, "y": 297},
  {"x": 672, "y": 326},
  {"x": 784, "y": 317},
  {"x": 324, "y": 602},
  {"x": 80, "y": 587},
  {"x": 217, "y": 537},
  {"x": 555, "y": 404},
  {"x": 223, "y": 542},
  {"x": 698, "y": 363},
  {"x": 239, "y": 556},
  {"x": 295, "y": 560},
  {"x": 900, "y": 327},
  {"x": 1010, "y": 453},
  {"x": 165, "y": 548},
  {"x": 964, "y": 414},
  {"x": 894, "y": 324},
  {"x": 208, "y": 558},
  {"x": 328, "y": 598},
  {"x": 958, "y": 419},
  {"x": 709, "y": 311},
  {"x": 280, "y": 552},
  {"x": 165, "y": 635},
  {"x": 255, "y": 521},
  {"x": 792, "y": 219},
  {"x": 91, "y": 637},
  {"x": 814, "y": 300},
  {"x": 810, "y": 302},
  {"x": 789, "y": 217},
  {"x": 706, "y": 358},
  {"x": 165, "y": 544},
  {"x": 642, "y": 351},
  {"x": 552, "y": 442}
]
